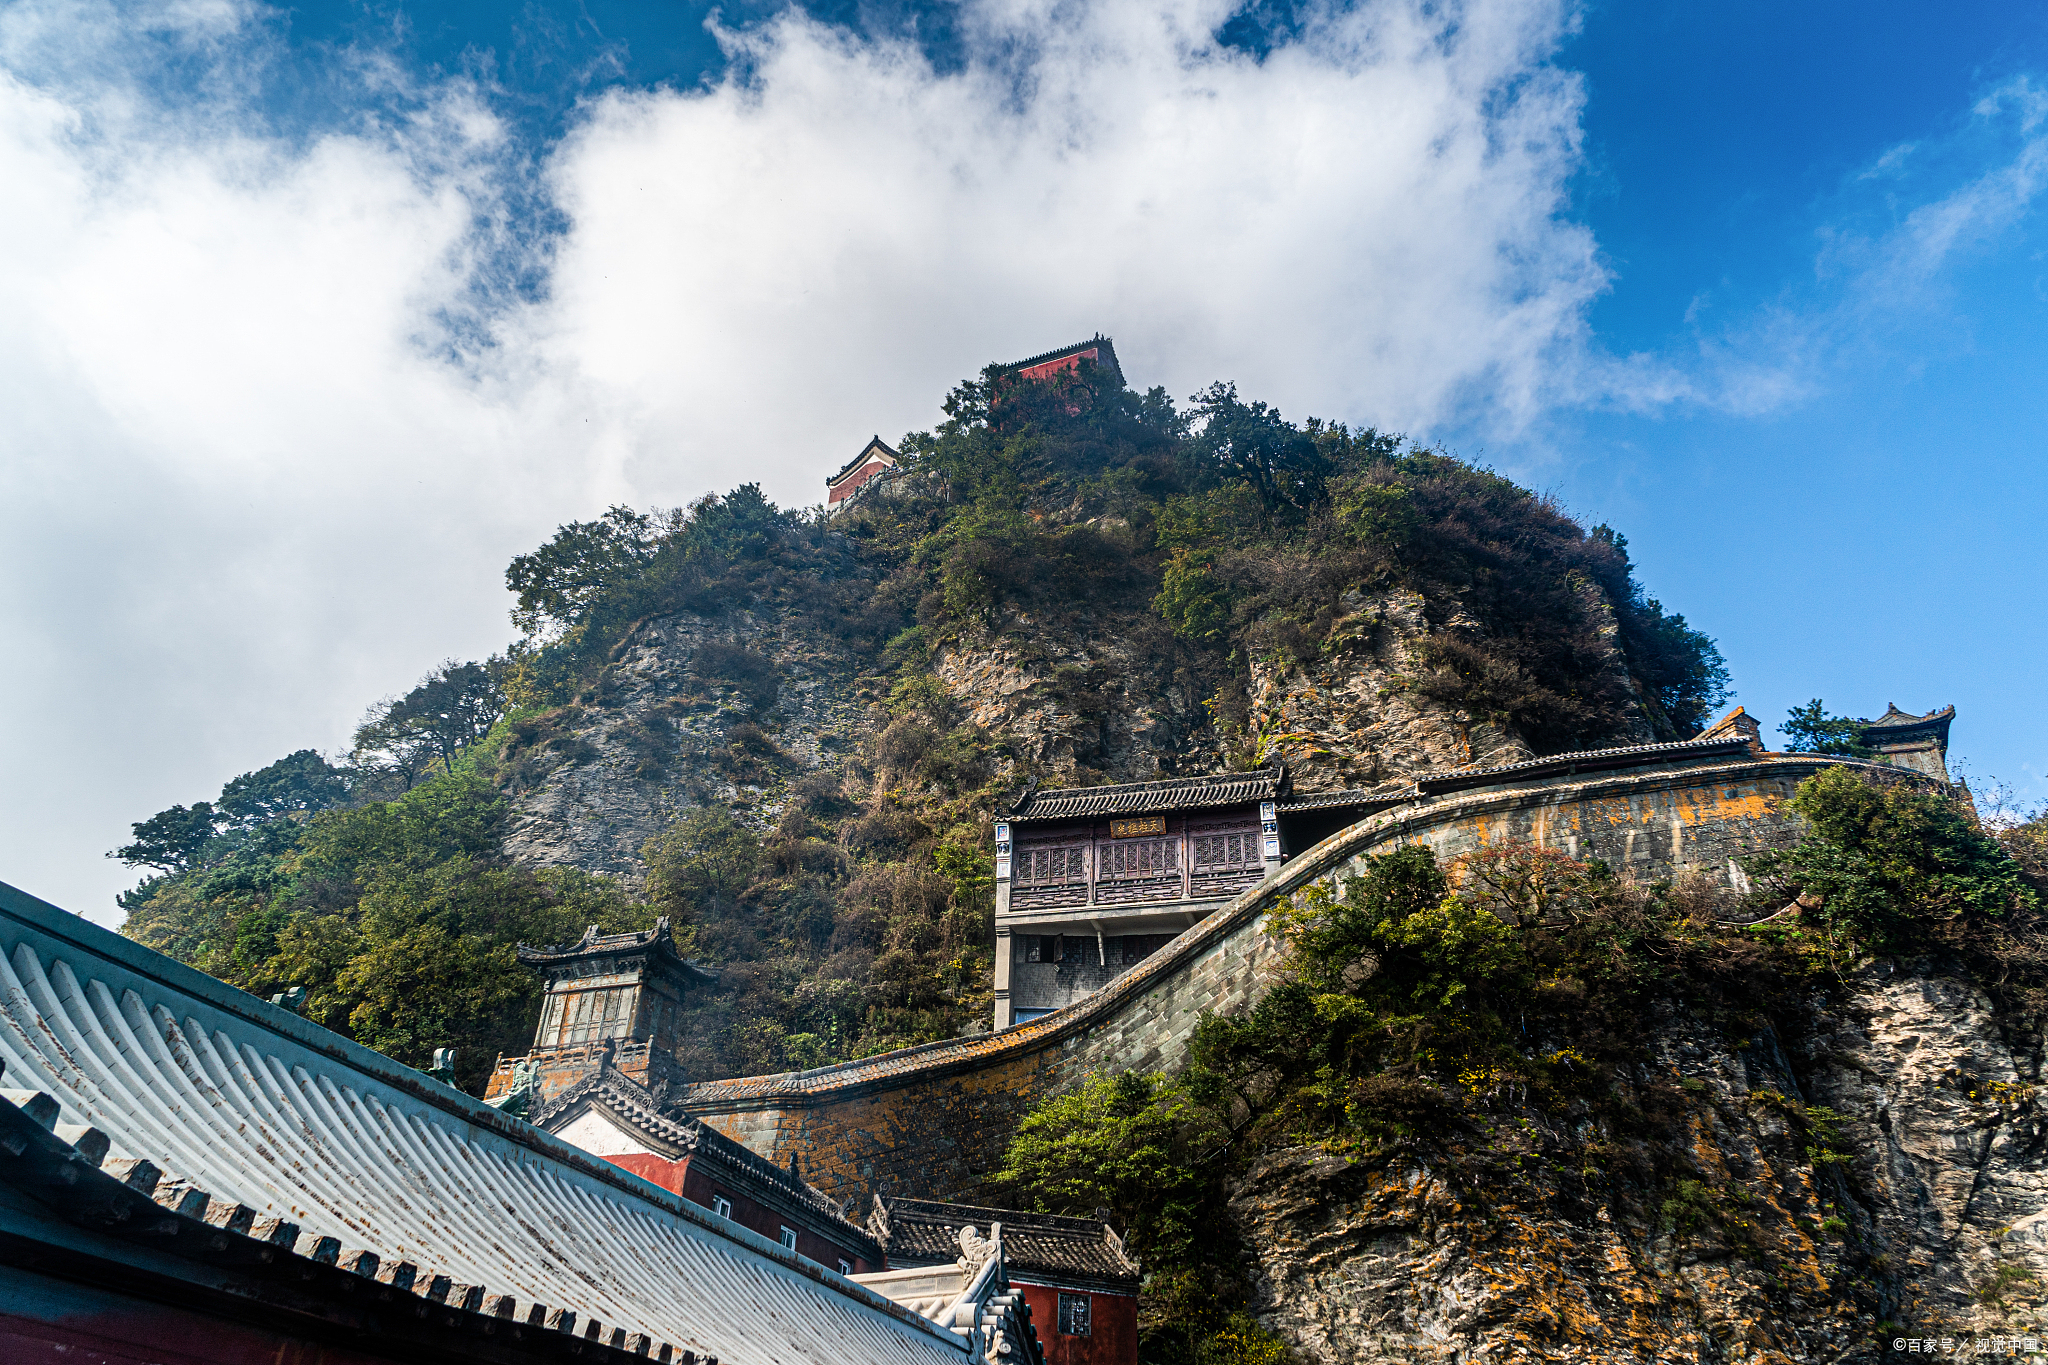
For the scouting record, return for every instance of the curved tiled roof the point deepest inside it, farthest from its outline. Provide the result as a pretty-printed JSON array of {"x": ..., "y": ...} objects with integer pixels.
[
  {"x": 860, "y": 459},
  {"x": 1135, "y": 798},
  {"x": 1354, "y": 796},
  {"x": 1894, "y": 721},
  {"x": 658, "y": 940},
  {"x": 1035, "y": 1245},
  {"x": 223, "y": 1105}
]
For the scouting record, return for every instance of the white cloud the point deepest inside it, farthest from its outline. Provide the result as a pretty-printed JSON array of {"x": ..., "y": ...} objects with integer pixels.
[
  {"x": 1365, "y": 225},
  {"x": 244, "y": 488}
]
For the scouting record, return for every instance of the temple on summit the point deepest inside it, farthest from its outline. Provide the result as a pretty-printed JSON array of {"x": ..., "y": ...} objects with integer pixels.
[
  {"x": 875, "y": 459},
  {"x": 1097, "y": 350},
  {"x": 878, "y": 462}
]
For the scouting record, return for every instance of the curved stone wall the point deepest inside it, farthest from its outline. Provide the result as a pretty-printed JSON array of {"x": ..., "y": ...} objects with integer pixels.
[{"x": 933, "y": 1120}]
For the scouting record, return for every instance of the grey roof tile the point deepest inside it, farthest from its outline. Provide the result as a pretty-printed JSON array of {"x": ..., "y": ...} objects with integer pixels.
[{"x": 236, "y": 1102}]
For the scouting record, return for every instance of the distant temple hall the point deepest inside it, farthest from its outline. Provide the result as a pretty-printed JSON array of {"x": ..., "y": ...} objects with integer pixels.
[
  {"x": 1091, "y": 881},
  {"x": 878, "y": 461}
]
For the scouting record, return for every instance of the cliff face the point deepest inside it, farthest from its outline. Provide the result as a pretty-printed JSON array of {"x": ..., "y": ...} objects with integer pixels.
[
  {"x": 1920, "y": 1212},
  {"x": 688, "y": 712},
  {"x": 1105, "y": 695}
]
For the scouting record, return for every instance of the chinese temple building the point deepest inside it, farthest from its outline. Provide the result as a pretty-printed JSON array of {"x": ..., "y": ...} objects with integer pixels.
[
  {"x": 602, "y": 1065},
  {"x": 1081, "y": 1284},
  {"x": 1099, "y": 350},
  {"x": 612, "y": 1003},
  {"x": 1916, "y": 742},
  {"x": 1090, "y": 881},
  {"x": 874, "y": 460}
]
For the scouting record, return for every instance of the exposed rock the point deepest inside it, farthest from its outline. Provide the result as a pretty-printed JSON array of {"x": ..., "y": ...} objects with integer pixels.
[
  {"x": 1354, "y": 718},
  {"x": 1932, "y": 1224},
  {"x": 1110, "y": 697},
  {"x": 1104, "y": 698},
  {"x": 657, "y": 738}
]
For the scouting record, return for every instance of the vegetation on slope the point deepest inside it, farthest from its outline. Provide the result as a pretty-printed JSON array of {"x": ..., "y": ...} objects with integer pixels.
[
  {"x": 1490, "y": 1023},
  {"x": 858, "y": 919}
]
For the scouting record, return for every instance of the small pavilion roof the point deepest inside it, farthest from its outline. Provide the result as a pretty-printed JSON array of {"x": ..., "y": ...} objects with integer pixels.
[
  {"x": 658, "y": 941},
  {"x": 875, "y": 446},
  {"x": 1897, "y": 724}
]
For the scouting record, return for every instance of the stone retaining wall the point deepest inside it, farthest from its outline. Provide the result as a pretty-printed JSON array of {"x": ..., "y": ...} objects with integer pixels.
[{"x": 934, "y": 1120}]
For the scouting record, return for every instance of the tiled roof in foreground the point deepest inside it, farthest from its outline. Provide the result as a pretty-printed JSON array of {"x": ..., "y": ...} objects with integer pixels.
[{"x": 252, "y": 1137}]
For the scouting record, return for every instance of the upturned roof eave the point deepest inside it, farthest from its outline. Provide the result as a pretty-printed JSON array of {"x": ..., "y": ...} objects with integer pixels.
[{"x": 858, "y": 460}]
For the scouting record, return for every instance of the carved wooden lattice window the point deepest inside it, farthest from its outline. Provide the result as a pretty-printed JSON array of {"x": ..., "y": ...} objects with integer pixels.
[
  {"x": 588, "y": 1016},
  {"x": 1052, "y": 864},
  {"x": 1074, "y": 1316},
  {"x": 1141, "y": 858},
  {"x": 1225, "y": 850}
]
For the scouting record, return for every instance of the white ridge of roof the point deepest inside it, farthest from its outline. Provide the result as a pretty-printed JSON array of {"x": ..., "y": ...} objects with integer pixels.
[{"x": 256, "y": 1105}]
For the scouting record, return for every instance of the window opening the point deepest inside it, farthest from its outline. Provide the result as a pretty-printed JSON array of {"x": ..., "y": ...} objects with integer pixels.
[
  {"x": 721, "y": 1206},
  {"x": 1074, "y": 1315},
  {"x": 789, "y": 1239}
]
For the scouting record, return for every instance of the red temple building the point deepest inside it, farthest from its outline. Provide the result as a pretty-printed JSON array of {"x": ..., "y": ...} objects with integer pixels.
[
  {"x": 1099, "y": 350},
  {"x": 1080, "y": 1283},
  {"x": 874, "y": 460}
]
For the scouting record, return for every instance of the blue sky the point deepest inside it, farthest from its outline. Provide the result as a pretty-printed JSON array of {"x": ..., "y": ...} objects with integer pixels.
[{"x": 312, "y": 318}]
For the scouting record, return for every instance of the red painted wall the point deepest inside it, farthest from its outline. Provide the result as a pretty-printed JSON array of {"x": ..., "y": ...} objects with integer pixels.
[
  {"x": 1065, "y": 362},
  {"x": 1114, "y": 1340},
  {"x": 839, "y": 491},
  {"x": 76, "y": 1325},
  {"x": 700, "y": 1189}
]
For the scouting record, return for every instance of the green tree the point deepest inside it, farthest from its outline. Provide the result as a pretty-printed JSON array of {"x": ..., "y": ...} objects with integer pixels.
[
  {"x": 558, "y": 585},
  {"x": 1191, "y": 599},
  {"x": 1893, "y": 860},
  {"x": 453, "y": 707},
  {"x": 297, "y": 783},
  {"x": 1253, "y": 443},
  {"x": 172, "y": 840},
  {"x": 1811, "y": 729},
  {"x": 1131, "y": 1143},
  {"x": 703, "y": 863}
]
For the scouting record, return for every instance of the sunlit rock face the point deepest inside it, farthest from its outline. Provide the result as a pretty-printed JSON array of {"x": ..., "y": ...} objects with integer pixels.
[
  {"x": 693, "y": 711},
  {"x": 689, "y": 712},
  {"x": 1927, "y": 1220}
]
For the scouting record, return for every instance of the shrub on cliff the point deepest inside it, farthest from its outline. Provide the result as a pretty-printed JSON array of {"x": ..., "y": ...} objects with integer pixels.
[{"x": 1892, "y": 866}]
